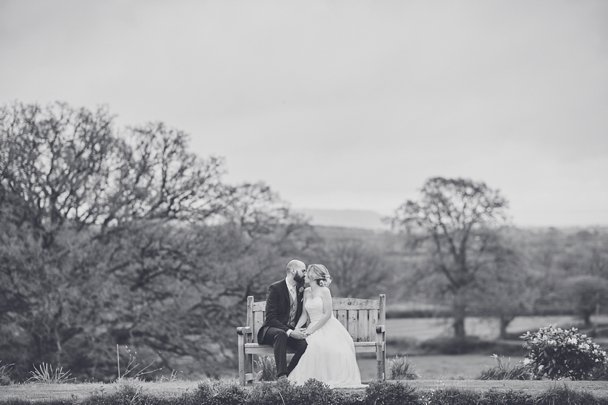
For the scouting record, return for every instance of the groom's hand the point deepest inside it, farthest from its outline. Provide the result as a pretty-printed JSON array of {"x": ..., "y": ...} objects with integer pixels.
[{"x": 297, "y": 334}]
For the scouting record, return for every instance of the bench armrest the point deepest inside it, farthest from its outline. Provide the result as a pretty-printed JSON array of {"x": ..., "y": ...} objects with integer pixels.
[
  {"x": 380, "y": 329},
  {"x": 244, "y": 330}
]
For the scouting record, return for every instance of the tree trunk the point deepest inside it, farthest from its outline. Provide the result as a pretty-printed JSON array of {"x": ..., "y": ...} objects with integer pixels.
[
  {"x": 587, "y": 319},
  {"x": 459, "y": 310},
  {"x": 505, "y": 320}
]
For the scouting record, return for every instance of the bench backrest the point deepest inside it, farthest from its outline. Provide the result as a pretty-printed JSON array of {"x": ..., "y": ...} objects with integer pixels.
[{"x": 359, "y": 316}]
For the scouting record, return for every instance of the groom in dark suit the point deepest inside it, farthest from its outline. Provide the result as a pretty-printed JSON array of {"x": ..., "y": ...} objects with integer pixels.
[{"x": 283, "y": 309}]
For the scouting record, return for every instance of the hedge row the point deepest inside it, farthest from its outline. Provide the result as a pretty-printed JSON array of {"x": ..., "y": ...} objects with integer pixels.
[{"x": 315, "y": 392}]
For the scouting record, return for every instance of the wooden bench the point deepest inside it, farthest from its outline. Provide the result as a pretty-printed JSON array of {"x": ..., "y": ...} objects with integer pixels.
[{"x": 364, "y": 319}]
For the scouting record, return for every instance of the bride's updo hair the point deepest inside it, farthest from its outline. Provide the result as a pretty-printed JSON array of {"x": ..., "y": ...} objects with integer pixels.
[{"x": 320, "y": 274}]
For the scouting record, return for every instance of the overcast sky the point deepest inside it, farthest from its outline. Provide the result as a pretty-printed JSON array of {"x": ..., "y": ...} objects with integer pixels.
[{"x": 344, "y": 104}]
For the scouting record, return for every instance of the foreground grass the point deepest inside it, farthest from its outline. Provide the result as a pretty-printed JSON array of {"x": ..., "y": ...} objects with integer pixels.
[{"x": 175, "y": 390}]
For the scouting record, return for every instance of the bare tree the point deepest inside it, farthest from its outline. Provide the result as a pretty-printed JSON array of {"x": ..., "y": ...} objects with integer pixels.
[
  {"x": 454, "y": 218},
  {"x": 358, "y": 269}
]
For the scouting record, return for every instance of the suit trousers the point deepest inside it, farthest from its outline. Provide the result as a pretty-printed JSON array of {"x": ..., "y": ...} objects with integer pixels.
[{"x": 279, "y": 340}]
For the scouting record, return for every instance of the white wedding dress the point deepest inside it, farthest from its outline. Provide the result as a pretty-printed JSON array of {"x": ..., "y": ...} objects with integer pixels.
[{"x": 330, "y": 355}]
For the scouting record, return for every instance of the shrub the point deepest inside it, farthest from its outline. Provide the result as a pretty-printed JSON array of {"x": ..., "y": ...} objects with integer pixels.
[
  {"x": 504, "y": 370},
  {"x": 557, "y": 353},
  {"x": 452, "y": 396},
  {"x": 201, "y": 395},
  {"x": 228, "y": 394},
  {"x": 401, "y": 369},
  {"x": 45, "y": 373},
  {"x": 600, "y": 372},
  {"x": 268, "y": 393},
  {"x": 565, "y": 395},
  {"x": 386, "y": 393},
  {"x": 127, "y": 394},
  {"x": 5, "y": 373},
  {"x": 210, "y": 393},
  {"x": 494, "y": 397},
  {"x": 312, "y": 392}
]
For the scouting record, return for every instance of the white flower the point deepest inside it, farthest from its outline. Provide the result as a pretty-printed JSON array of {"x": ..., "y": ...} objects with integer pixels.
[
  {"x": 572, "y": 341},
  {"x": 584, "y": 346},
  {"x": 527, "y": 361},
  {"x": 551, "y": 342}
]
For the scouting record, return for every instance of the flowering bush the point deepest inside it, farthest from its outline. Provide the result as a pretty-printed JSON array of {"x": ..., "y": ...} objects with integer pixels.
[{"x": 557, "y": 353}]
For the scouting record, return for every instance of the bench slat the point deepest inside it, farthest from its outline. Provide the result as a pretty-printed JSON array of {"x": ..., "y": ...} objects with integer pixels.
[
  {"x": 353, "y": 324},
  {"x": 337, "y": 304},
  {"x": 258, "y": 321},
  {"x": 354, "y": 303},
  {"x": 254, "y": 348},
  {"x": 373, "y": 320},
  {"x": 342, "y": 317},
  {"x": 363, "y": 326}
]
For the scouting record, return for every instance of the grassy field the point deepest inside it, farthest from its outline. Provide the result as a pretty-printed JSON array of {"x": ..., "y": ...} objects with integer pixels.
[
  {"x": 485, "y": 328},
  {"x": 440, "y": 367}
]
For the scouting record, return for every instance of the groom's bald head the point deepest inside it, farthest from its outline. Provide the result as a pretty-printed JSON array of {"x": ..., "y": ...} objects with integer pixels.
[
  {"x": 296, "y": 269},
  {"x": 295, "y": 266}
]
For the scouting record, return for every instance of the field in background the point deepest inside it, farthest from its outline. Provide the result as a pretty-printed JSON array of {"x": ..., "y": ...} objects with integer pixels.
[
  {"x": 485, "y": 328},
  {"x": 467, "y": 366},
  {"x": 438, "y": 367}
]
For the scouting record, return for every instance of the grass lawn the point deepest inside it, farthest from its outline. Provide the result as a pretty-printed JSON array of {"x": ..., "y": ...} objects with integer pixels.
[{"x": 441, "y": 367}]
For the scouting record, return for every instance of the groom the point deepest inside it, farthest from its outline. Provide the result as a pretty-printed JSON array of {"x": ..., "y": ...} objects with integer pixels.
[{"x": 283, "y": 309}]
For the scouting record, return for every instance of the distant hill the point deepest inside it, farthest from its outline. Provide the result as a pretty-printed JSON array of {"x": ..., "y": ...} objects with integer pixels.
[{"x": 363, "y": 219}]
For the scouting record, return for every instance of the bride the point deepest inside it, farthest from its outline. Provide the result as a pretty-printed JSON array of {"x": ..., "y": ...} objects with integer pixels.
[{"x": 330, "y": 355}]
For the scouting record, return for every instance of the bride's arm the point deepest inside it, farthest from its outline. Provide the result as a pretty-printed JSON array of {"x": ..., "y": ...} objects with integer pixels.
[
  {"x": 327, "y": 311},
  {"x": 303, "y": 319}
]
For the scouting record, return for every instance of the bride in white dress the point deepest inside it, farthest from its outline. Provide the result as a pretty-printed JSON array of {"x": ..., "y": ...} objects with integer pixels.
[{"x": 330, "y": 355}]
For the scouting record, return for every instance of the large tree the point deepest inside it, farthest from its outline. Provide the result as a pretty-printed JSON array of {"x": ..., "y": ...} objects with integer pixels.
[
  {"x": 506, "y": 288},
  {"x": 455, "y": 221},
  {"x": 111, "y": 236},
  {"x": 585, "y": 295}
]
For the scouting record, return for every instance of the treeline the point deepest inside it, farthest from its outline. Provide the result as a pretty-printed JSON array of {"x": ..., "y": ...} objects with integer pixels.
[{"x": 537, "y": 271}]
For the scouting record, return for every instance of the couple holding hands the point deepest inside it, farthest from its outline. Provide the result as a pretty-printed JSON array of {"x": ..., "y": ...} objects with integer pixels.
[{"x": 299, "y": 315}]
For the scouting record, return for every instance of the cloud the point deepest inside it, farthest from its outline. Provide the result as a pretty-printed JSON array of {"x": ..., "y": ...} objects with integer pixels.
[{"x": 344, "y": 104}]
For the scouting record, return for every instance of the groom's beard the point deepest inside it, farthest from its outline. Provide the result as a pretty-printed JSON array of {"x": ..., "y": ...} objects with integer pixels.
[{"x": 298, "y": 279}]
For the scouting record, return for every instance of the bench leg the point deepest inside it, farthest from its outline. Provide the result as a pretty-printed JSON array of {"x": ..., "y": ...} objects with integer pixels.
[
  {"x": 241, "y": 358},
  {"x": 250, "y": 367},
  {"x": 381, "y": 358}
]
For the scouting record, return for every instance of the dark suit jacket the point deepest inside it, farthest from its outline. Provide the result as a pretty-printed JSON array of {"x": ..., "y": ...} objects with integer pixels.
[{"x": 277, "y": 308}]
